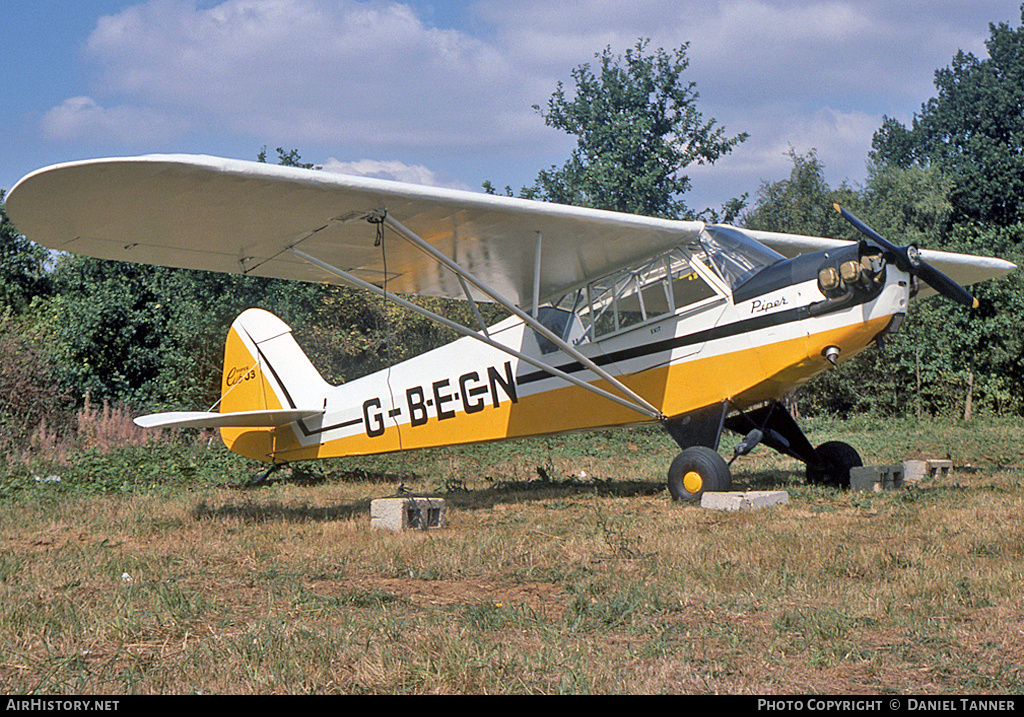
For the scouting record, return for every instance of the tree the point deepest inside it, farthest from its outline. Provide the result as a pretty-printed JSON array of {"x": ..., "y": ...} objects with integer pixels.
[
  {"x": 637, "y": 128},
  {"x": 22, "y": 266},
  {"x": 30, "y": 390},
  {"x": 973, "y": 131},
  {"x": 291, "y": 158},
  {"x": 910, "y": 205},
  {"x": 965, "y": 149},
  {"x": 980, "y": 355},
  {"x": 801, "y": 204}
]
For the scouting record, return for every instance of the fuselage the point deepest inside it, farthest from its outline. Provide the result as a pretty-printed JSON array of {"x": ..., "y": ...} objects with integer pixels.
[{"x": 745, "y": 345}]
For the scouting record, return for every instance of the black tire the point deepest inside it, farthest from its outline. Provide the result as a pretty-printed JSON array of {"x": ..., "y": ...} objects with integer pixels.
[
  {"x": 837, "y": 459},
  {"x": 696, "y": 471}
]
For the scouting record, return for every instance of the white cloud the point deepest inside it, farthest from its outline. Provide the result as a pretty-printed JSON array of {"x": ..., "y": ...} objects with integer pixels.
[
  {"x": 841, "y": 140},
  {"x": 366, "y": 73},
  {"x": 84, "y": 119},
  {"x": 373, "y": 78},
  {"x": 390, "y": 169}
]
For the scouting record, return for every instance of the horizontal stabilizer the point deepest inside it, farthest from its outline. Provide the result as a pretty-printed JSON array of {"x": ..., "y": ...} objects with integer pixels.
[{"x": 236, "y": 419}]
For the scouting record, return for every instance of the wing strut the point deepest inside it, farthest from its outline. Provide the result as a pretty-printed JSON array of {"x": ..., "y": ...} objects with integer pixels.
[
  {"x": 536, "y": 276},
  {"x": 636, "y": 402},
  {"x": 476, "y": 309},
  {"x": 643, "y": 408}
]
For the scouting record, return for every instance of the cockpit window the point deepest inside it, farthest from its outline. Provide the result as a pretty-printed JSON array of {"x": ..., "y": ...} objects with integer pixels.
[
  {"x": 733, "y": 255},
  {"x": 557, "y": 321},
  {"x": 629, "y": 297}
]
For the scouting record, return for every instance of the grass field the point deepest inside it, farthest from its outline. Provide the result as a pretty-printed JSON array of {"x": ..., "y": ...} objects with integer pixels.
[{"x": 565, "y": 568}]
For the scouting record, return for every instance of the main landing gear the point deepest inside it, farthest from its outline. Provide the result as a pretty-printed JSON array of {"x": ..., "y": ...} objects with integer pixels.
[
  {"x": 699, "y": 468},
  {"x": 696, "y": 470}
]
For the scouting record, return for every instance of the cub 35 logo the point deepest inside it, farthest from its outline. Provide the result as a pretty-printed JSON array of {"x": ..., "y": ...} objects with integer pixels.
[{"x": 239, "y": 374}]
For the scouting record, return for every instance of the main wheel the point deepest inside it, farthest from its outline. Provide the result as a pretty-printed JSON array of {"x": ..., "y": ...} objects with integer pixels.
[
  {"x": 696, "y": 471},
  {"x": 837, "y": 459}
]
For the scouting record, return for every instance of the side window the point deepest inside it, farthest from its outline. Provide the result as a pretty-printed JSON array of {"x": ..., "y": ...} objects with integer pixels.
[
  {"x": 662, "y": 286},
  {"x": 557, "y": 321}
]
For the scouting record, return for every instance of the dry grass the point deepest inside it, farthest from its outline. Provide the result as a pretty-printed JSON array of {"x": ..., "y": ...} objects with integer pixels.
[{"x": 574, "y": 587}]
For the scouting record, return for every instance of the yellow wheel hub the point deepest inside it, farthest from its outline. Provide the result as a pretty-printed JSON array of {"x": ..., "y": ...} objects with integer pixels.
[{"x": 693, "y": 482}]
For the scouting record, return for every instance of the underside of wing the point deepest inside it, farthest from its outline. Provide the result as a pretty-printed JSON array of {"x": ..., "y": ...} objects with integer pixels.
[
  {"x": 242, "y": 217},
  {"x": 965, "y": 269},
  {"x": 236, "y": 419}
]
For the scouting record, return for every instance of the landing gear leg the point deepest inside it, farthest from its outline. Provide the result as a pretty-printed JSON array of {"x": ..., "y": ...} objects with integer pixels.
[
  {"x": 699, "y": 468},
  {"x": 261, "y": 478},
  {"x": 828, "y": 464}
]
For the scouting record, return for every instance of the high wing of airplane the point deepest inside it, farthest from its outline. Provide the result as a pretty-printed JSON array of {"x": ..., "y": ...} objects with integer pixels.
[{"x": 614, "y": 319}]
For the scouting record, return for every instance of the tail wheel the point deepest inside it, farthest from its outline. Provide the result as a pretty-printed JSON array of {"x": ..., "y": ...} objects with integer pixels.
[
  {"x": 837, "y": 458},
  {"x": 696, "y": 471}
]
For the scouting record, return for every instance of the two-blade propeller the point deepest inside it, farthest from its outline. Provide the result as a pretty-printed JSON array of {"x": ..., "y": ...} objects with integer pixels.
[{"x": 908, "y": 259}]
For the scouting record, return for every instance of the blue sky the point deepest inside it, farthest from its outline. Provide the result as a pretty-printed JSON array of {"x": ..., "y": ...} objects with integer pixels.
[{"x": 441, "y": 93}]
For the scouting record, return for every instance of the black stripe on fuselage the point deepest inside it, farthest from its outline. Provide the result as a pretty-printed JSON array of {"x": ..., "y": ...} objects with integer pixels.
[
  {"x": 717, "y": 332},
  {"x": 291, "y": 403}
]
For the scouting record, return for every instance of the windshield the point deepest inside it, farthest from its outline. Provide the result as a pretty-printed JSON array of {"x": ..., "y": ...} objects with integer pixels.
[{"x": 733, "y": 255}]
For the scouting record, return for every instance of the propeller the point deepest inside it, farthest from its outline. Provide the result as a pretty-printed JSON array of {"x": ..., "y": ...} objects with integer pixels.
[{"x": 908, "y": 259}]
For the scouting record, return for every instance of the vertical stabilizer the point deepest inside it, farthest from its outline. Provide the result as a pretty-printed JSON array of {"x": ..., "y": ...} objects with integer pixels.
[{"x": 264, "y": 369}]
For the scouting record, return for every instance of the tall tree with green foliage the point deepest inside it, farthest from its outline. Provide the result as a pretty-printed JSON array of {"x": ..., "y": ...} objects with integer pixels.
[
  {"x": 22, "y": 266},
  {"x": 802, "y": 203},
  {"x": 969, "y": 139},
  {"x": 973, "y": 131},
  {"x": 946, "y": 360},
  {"x": 637, "y": 128}
]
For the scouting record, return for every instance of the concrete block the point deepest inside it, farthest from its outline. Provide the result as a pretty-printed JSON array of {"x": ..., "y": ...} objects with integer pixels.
[
  {"x": 751, "y": 500},
  {"x": 876, "y": 478},
  {"x": 398, "y": 514},
  {"x": 915, "y": 470}
]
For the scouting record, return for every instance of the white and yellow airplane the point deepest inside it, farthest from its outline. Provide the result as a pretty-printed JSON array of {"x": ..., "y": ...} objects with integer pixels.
[{"x": 614, "y": 319}]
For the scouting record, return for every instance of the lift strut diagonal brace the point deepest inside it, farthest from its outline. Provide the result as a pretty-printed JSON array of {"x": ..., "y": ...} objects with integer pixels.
[{"x": 362, "y": 284}]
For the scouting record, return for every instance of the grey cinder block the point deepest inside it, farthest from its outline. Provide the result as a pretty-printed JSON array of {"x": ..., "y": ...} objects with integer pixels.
[
  {"x": 876, "y": 478},
  {"x": 915, "y": 470},
  {"x": 751, "y": 500},
  {"x": 398, "y": 514}
]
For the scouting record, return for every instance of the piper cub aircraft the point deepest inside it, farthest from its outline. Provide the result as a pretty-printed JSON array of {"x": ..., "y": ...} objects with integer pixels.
[{"x": 614, "y": 319}]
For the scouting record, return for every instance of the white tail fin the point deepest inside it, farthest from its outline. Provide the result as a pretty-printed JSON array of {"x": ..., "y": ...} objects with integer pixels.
[{"x": 264, "y": 368}]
